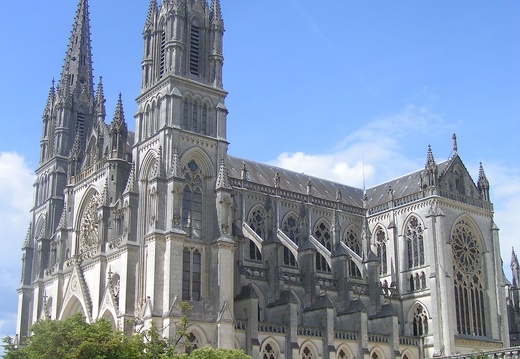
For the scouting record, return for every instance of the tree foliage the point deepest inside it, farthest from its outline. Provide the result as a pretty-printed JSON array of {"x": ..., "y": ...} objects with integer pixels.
[{"x": 73, "y": 338}]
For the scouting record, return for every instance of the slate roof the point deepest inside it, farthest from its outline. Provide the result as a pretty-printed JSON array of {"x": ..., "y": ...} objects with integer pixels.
[
  {"x": 264, "y": 174},
  {"x": 401, "y": 186}
]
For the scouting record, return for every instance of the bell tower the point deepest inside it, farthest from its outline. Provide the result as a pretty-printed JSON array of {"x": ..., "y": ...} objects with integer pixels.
[{"x": 180, "y": 140}]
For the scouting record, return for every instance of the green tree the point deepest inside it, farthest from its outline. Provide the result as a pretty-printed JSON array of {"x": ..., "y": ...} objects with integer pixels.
[
  {"x": 73, "y": 338},
  {"x": 216, "y": 353}
]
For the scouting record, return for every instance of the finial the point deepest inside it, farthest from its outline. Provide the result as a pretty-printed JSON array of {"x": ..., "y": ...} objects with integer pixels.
[
  {"x": 309, "y": 186},
  {"x": 131, "y": 186},
  {"x": 430, "y": 161},
  {"x": 223, "y": 178},
  {"x": 454, "y": 138},
  {"x": 339, "y": 196},
  {"x": 119, "y": 114}
]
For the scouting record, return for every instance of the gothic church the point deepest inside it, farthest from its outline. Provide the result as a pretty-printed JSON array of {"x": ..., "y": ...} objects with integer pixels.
[{"x": 126, "y": 226}]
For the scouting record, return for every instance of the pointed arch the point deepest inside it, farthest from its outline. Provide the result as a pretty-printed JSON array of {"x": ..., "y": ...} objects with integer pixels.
[
  {"x": 344, "y": 352},
  {"x": 352, "y": 239},
  {"x": 413, "y": 231},
  {"x": 468, "y": 277},
  {"x": 201, "y": 158},
  {"x": 380, "y": 241},
  {"x": 322, "y": 232},
  {"x": 109, "y": 317},
  {"x": 72, "y": 306},
  {"x": 308, "y": 350},
  {"x": 269, "y": 349},
  {"x": 148, "y": 164},
  {"x": 290, "y": 227},
  {"x": 376, "y": 353},
  {"x": 262, "y": 304},
  {"x": 197, "y": 336},
  {"x": 418, "y": 319}
]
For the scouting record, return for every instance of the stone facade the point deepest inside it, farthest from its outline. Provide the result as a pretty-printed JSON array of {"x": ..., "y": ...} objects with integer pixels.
[{"x": 126, "y": 225}]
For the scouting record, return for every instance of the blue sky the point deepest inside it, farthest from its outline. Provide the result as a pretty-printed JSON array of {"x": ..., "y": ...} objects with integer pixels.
[{"x": 317, "y": 87}]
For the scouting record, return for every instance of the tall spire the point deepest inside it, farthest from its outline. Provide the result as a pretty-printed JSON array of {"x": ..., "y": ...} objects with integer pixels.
[{"x": 77, "y": 68}]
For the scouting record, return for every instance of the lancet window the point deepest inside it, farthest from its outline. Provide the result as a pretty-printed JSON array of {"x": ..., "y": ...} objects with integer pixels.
[
  {"x": 321, "y": 264},
  {"x": 192, "y": 200},
  {"x": 420, "y": 321},
  {"x": 195, "y": 47},
  {"x": 352, "y": 241},
  {"x": 191, "y": 274},
  {"x": 381, "y": 250},
  {"x": 468, "y": 280},
  {"x": 291, "y": 229},
  {"x": 414, "y": 243},
  {"x": 196, "y": 116}
]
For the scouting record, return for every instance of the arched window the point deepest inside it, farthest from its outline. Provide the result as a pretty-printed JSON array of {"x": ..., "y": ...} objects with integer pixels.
[
  {"x": 204, "y": 121},
  {"x": 307, "y": 353},
  {"x": 412, "y": 283},
  {"x": 321, "y": 264},
  {"x": 192, "y": 343},
  {"x": 186, "y": 114},
  {"x": 257, "y": 221},
  {"x": 192, "y": 200},
  {"x": 420, "y": 321},
  {"x": 288, "y": 258},
  {"x": 254, "y": 252},
  {"x": 268, "y": 352},
  {"x": 352, "y": 241},
  {"x": 342, "y": 354},
  {"x": 469, "y": 291},
  {"x": 381, "y": 250},
  {"x": 290, "y": 228},
  {"x": 191, "y": 274},
  {"x": 423, "y": 280},
  {"x": 195, "y": 117},
  {"x": 322, "y": 234},
  {"x": 414, "y": 243}
]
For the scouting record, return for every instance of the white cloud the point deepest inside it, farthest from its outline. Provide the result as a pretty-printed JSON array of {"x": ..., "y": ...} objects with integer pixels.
[
  {"x": 376, "y": 148},
  {"x": 16, "y": 193},
  {"x": 505, "y": 194}
]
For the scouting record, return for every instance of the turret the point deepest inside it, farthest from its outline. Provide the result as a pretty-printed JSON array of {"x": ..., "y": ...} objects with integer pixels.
[
  {"x": 118, "y": 132},
  {"x": 429, "y": 175},
  {"x": 483, "y": 184}
]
